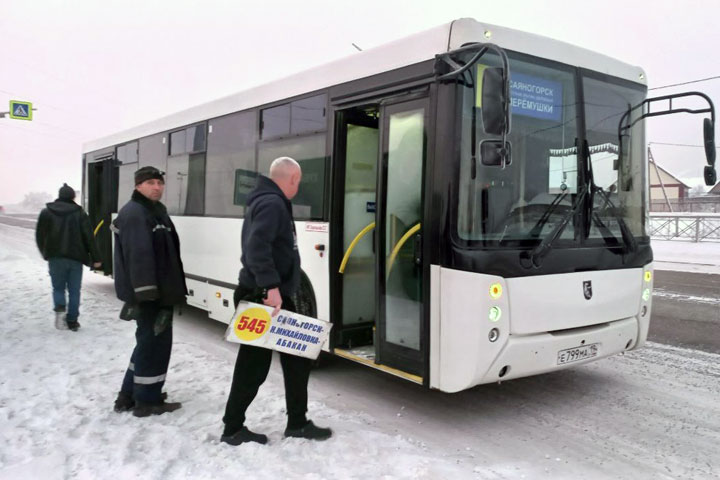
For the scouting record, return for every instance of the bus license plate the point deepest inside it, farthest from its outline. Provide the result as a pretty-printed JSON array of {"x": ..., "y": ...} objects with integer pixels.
[{"x": 577, "y": 353}]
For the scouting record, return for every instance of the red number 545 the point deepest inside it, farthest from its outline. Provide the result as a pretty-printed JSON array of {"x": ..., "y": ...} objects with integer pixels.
[{"x": 256, "y": 325}]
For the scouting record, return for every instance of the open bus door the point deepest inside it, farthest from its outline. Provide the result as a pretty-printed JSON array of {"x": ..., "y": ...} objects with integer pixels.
[
  {"x": 102, "y": 194},
  {"x": 380, "y": 152}
]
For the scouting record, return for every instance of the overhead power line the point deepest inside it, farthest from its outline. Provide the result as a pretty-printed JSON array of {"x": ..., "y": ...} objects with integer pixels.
[
  {"x": 686, "y": 83},
  {"x": 677, "y": 144}
]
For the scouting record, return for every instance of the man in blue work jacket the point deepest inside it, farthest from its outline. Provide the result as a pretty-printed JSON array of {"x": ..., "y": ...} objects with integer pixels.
[{"x": 149, "y": 278}]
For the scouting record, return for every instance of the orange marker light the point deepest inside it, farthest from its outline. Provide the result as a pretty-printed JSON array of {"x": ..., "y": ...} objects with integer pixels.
[
  {"x": 495, "y": 291},
  {"x": 218, "y": 295},
  {"x": 648, "y": 276}
]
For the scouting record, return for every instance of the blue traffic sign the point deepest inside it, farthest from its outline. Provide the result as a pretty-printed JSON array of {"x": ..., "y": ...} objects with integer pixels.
[{"x": 20, "y": 110}]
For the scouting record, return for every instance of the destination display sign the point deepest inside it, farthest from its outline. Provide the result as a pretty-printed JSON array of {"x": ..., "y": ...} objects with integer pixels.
[
  {"x": 530, "y": 96},
  {"x": 535, "y": 97}
]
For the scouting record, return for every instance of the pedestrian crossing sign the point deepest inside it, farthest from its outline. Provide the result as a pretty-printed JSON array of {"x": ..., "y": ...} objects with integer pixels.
[{"x": 20, "y": 110}]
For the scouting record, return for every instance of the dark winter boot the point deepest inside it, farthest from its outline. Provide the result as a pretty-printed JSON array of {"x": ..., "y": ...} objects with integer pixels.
[
  {"x": 309, "y": 431},
  {"x": 124, "y": 402},
  {"x": 74, "y": 326},
  {"x": 243, "y": 436},
  {"x": 60, "y": 318},
  {"x": 147, "y": 409}
]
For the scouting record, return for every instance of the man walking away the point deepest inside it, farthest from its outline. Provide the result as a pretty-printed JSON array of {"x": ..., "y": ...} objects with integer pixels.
[
  {"x": 65, "y": 239},
  {"x": 149, "y": 278},
  {"x": 271, "y": 272}
]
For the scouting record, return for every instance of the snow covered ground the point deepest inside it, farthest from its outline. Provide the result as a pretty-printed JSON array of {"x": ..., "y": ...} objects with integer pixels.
[
  {"x": 700, "y": 257},
  {"x": 57, "y": 389},
  {"x": 650, "y": 414}
]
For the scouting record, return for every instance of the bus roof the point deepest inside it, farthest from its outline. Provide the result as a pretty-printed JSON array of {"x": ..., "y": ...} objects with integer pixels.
[{"x": 399, "y": 53}]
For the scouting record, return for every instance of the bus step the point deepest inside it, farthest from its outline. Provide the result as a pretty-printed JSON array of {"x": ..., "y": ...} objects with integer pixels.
[{"x": 366, "y": 356}]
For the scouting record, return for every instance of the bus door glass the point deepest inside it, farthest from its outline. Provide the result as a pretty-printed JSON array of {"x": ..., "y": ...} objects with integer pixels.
[
  {"x": 399, "y": 236},
  {"x": 360, "y": 136},
  {"x": 102, "y": 180}
]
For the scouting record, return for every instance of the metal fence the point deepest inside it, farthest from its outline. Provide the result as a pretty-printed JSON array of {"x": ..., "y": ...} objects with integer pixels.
[
  {"x": 685, "y": 226},
  {"x": 706, "y": 204}
]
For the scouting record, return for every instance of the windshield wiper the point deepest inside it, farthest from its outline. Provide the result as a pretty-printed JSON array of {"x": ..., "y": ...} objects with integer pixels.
[
  {"x": 627, "y": 236},
  {"x": 585, "y": 199},
  {"x": 535, "y": 232},
  {"x": 629, "y": 243},
  {"x": 533, "y": 258}
]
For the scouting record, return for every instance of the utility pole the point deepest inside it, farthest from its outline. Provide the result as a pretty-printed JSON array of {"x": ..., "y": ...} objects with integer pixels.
[{"x": 651, "y": 159}]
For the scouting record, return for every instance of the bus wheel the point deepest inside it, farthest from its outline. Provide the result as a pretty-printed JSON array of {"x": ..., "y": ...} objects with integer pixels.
[{"x": 304, "y": 299}]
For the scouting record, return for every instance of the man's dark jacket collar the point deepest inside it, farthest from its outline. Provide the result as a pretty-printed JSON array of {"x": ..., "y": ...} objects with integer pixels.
[
  {"x": 266, "y": 186},
  {"x": 157, "y": 208}
]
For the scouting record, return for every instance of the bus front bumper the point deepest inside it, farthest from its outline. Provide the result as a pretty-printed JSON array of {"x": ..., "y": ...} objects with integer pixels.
[{"x": 527, "y": 355}]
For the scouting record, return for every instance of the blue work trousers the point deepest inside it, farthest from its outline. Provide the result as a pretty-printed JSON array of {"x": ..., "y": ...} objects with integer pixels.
[
  {"x": 66, "y": 275},
  {"x": 149, "y": 362}
]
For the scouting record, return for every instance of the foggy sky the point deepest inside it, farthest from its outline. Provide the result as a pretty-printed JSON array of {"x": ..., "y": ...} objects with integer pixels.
[{"x": 94, "y": 68}]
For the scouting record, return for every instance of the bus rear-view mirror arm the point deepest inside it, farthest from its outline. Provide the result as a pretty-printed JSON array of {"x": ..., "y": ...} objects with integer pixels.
[
  {"x": 708, "y": 126},
  {"x": 495, "y": 98}
]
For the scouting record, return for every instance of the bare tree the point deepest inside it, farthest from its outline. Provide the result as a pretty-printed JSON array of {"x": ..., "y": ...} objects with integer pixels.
[
  {"x": 697, "y": 190},
  {"x": 36, "y": 201}
]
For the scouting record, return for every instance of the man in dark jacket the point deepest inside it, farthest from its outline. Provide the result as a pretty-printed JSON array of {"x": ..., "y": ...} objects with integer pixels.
[
  {"x": 271, "y": 273},
  {"x": 65, "y": 239},
  {"x": 149, "y": 278}
]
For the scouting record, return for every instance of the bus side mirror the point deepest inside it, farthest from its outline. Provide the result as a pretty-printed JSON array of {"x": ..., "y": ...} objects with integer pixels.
[
  {"x": 493, "y": 101},
  {"x": 709, "y": 137}
]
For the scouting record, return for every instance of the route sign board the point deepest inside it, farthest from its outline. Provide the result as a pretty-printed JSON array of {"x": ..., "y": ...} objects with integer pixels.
[{"x": 20, "y": 110}]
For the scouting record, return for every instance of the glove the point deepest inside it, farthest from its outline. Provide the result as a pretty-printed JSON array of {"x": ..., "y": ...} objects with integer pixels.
[
  {"x": 162, "y": 320},
  {"x": 128, "y": 312}
]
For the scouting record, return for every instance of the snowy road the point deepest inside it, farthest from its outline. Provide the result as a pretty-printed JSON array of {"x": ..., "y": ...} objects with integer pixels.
[
  {"x": 686, "y": 310},
  {"x": 651, "y": 414}
]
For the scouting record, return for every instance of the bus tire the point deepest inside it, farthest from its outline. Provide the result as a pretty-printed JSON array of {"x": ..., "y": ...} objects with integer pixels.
[{"x": 304, "y": 298}]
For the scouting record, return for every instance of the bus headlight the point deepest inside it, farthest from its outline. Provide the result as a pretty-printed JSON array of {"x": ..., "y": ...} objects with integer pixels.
[
  {"x": 495, "y": 314},
  {"x": 646, "y": 294}
]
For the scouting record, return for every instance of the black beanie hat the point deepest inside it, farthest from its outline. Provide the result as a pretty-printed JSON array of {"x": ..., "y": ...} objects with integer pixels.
[
  {"x": 66, "y": 192},
  {"x": 147, "y": 173}
]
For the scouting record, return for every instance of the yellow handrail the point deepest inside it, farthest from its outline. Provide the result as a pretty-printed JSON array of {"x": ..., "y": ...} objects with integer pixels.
[
  {"x": 352, "y": 245},
  {"x": 398, "y": 246},
  {"x": 98, "y": 228}
]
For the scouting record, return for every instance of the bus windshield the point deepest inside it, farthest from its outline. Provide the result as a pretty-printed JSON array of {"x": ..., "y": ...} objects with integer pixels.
[{"x": 521, "y": 204}]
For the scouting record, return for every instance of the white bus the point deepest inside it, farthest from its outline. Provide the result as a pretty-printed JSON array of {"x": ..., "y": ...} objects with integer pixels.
[{"x": 474, "y": 203}]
